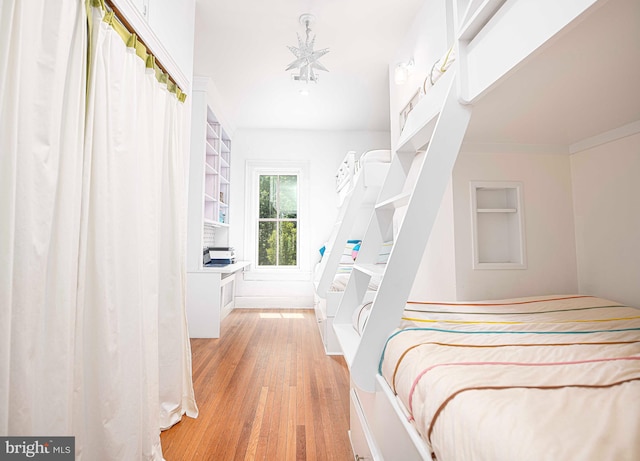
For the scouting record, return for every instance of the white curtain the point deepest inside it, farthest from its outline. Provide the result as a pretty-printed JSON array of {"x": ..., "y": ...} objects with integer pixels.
[
  {"x": 42, "y": 106},
  {"x": 93, "y": 337},
  {"x": 131, "y": 258},
  {"x": 176, "y": 385}
]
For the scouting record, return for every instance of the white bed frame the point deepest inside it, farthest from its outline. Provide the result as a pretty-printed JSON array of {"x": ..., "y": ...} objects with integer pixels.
[
  {"x": 358, "y": 182},
  {"x": 486, "y": 54}
]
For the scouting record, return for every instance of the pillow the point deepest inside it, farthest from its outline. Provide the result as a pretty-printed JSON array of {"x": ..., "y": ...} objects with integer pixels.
[
  {"x": 346, "y": 259},
  {"x": 439, "y": 67},
  {"x": 360, "y": 317},
  {"x": 384, "y": 252},
  {"x": 347, "y": 254},
  {"x": 354, "y": 252}
]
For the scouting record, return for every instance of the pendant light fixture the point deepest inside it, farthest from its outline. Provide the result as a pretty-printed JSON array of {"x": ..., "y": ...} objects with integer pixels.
[{"x": 306, "y": 58}]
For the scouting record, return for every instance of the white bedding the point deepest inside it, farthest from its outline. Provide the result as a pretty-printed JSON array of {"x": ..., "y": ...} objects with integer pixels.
[
  {"x": 378, "y": 155},
  {"x": 350, "y": 168},
  {"x": 342, "y": 278},
  {"x": 550, "y": 378}
]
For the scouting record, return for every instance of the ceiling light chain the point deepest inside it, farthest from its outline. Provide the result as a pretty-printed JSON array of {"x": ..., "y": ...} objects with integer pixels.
[{"x": 307, "y": 28}]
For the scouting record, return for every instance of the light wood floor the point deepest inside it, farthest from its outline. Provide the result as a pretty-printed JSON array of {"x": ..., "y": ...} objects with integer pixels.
[{"x": 265, "y": 391}]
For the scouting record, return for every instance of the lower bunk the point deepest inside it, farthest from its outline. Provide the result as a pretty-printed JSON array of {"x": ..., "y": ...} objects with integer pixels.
[
  {"x": 544, "y": 378},
  {"x": 326, "y": 305}
]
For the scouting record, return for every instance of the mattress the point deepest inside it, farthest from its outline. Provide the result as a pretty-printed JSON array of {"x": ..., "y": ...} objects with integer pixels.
[{"x": 545, "y": 378}]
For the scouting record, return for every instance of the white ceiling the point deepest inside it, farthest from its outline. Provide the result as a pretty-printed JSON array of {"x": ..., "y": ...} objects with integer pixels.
[
  {"x": 578, "y": 87},
  {"x": 242, "y": 46}
]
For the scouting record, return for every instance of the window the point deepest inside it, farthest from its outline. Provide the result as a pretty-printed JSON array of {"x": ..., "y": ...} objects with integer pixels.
[
  {"x": 276, "y": 235},
  {"x": 277, "y": 224}
]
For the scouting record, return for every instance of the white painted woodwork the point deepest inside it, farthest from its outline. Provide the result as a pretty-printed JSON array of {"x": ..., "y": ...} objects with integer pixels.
[
  {"x": 445, "y": 140},
  {"x": 210, "y": 297},
  {"x": 422, "y": 119},
  {"x": 353, "y": 218},
  {"x": 209, "y": 175},
  {"x": 497, "y": 218},
  {"x": 496, "y": 40},
  {"x": 436, "y": 276},
  {"x": 210, "y": 290},
  {"x": 378, "y": 420},
  {"x": 362, "y": 441},
  {"x": 490, "y": 52},
  {"x": 195, "y": 210},
  {"x": 357, "y": 206}
]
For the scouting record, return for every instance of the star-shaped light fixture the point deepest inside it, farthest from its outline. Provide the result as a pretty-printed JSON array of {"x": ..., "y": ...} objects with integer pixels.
[{"x": 306, "y": 58}]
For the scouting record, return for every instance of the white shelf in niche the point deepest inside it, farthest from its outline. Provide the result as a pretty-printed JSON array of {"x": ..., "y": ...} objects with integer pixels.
[{"x": 498, "y": 225}]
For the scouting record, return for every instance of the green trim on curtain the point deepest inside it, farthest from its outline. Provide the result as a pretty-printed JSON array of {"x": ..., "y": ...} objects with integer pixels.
[{"x": 131, "y": 41}]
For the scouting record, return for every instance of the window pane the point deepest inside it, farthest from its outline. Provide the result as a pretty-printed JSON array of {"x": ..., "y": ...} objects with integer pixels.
[
  {"x": 278, "y": 201},
  {"x": 267, "y": 243},
  {"x": 288, "y": 197},
  {"x": 288, "y": 243},
  {"x": 268, "y": 196}
]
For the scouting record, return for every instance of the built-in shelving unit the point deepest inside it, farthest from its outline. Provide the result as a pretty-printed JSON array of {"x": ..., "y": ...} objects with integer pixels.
[
  {"x": 210, "y": 290},
  {"x": 217, "y": 168}
]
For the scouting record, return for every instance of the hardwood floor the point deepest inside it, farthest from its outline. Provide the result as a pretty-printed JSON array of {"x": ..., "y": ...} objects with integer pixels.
[{"x": 265, "y": 391}]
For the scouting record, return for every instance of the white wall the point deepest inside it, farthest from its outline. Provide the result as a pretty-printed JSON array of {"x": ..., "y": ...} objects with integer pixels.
[
  {"x": 323, "y": 151},
  {"x": 174, "y": 24},
  {"x": 549, "y": 225},
  {"x": 582, "y": 222},
  {"x": 167, "y": 28},
  {"x": 606, "y": 192}
]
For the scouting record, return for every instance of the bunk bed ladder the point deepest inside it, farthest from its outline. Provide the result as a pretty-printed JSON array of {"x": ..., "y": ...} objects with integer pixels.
[
  {"x": 407, "y": 207},
  {"x": 341, "y": 233}
]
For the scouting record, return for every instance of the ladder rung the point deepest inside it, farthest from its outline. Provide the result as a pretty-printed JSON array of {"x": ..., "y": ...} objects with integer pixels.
[
  {"x": 398, "y": 201},
  {"x": 370, "y": 269}
]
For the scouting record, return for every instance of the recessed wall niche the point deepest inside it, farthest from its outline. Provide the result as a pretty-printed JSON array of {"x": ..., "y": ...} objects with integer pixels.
[{"x": 498, "y": 225}]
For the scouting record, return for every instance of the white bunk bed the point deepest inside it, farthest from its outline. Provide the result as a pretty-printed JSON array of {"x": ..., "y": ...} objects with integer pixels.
[
  {"x": 385, "y": 424},
  {"x": 358, "y": 182}
]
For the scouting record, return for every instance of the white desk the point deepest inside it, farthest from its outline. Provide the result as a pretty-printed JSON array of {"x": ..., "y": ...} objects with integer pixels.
[{"x": 210, "y": 298}]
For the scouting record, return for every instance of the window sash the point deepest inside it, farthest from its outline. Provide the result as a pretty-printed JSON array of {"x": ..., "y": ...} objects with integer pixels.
[{"x": 278, "y": 220}]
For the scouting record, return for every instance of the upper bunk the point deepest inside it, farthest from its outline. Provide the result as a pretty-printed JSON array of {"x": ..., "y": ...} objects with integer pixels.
[
  {"x": 370, "y": 168},
  {"x": 511, "y": 56},
  {"x": 531, "y": 72}
]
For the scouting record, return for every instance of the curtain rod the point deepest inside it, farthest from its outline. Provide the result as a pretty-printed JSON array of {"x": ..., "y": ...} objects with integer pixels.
[{"x": 121, "y": 18}]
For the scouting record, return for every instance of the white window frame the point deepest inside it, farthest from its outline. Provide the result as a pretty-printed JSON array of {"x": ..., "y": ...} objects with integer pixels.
[
  {"x": 254, "y": 169},
  {"x": 278, "y": 221}
]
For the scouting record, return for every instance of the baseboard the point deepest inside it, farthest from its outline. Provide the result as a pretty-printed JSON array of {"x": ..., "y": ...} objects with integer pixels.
[{"x": 271, "y": 302}]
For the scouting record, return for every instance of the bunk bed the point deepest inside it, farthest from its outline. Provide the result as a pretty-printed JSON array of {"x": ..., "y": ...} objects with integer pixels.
[
  {"x": 493, "y": 380},
  {"x": 358, "y": 182},
  {"x": 540, "y": 369}
]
